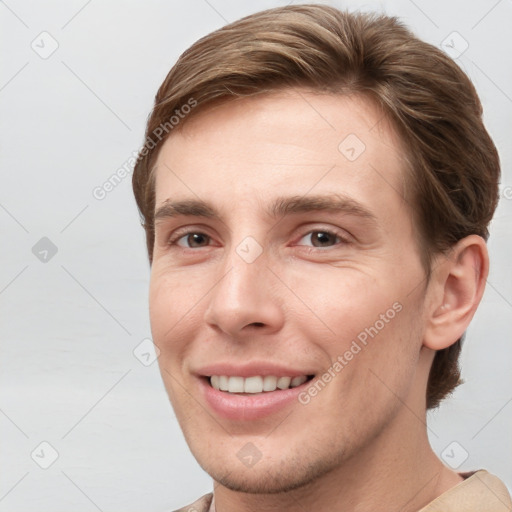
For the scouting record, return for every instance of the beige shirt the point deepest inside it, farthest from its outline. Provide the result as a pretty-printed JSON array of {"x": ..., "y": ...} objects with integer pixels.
[{"x": 479, "y": 492}]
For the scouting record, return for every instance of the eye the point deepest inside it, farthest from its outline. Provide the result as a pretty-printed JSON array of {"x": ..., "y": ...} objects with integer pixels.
[
  {"x": 191, "y": 240},
  {"x": 321, "y": 238}
]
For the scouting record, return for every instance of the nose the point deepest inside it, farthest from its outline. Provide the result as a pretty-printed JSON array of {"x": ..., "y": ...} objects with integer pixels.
[{"x": 246, "y": 299}]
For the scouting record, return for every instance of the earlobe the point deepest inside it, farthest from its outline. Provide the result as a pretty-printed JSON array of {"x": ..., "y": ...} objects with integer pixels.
[{"x": 456, "y": 288}]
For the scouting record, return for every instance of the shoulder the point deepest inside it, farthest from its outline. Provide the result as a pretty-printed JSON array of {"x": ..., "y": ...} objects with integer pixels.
[
  {"x": 201, "y": 505},
  {"x": 480, "y": 490}
]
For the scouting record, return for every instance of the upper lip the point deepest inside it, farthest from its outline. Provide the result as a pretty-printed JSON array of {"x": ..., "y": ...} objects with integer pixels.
[{"x": 250, "y": 370}]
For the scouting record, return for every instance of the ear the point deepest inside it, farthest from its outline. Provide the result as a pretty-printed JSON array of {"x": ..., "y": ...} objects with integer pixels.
[{"x": 455, "y": 290}]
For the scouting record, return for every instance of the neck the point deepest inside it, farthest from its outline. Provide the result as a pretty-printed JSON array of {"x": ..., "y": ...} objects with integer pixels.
[{"x": 397, "y": 470}]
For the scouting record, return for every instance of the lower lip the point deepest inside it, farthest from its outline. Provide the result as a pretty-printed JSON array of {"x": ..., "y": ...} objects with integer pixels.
[{"x": 249, "y": 407}]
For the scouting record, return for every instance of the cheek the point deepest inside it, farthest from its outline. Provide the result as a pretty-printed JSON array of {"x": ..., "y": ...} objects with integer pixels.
[
  {"x": 380, "y": 377},
  {"x": 173, "y": 315},
  {"x": 172, "y": 324},
  {"x": 346, "y": 302},
  {"x": 374, "y": 327},
  {"x": 172, "y": 295}
]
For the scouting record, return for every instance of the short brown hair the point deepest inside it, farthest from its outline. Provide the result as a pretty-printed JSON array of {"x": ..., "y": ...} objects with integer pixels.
[{"x": 432, "y": 104}]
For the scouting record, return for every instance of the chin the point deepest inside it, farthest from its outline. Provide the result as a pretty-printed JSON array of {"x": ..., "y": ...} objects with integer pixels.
[{"x": 268, "y": 476}]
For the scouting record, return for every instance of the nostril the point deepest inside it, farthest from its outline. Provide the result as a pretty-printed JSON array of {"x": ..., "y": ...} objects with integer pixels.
[{"x": 258, "y": 324}]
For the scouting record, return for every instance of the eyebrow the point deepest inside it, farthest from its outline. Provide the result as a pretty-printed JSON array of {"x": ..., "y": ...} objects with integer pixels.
[{"x": 280, "y": 207}]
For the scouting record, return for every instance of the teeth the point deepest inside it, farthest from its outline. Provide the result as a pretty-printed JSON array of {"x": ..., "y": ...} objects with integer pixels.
[
  {"x": 214, "y": 380},
  {"x": 236, "y": 385},
  {"x": 223, "y": 383},
  {"x": 284, "y": 382},
  {"x": 253, "y": 385},
  {"x": 297, "y": 381},
  {"x": 269, "y": 383},
  {"x": 256, "y": 384}
]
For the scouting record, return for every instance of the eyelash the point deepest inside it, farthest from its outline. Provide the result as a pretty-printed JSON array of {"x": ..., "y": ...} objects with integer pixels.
[{"x": 337, "y": 235}]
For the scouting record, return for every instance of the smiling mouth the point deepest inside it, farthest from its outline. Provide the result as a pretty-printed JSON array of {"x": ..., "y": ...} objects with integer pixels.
[{"x": 256, "y": 384}]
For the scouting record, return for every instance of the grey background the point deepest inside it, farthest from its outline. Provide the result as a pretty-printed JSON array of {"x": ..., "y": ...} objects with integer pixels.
[{"x": 70, "y": 321}]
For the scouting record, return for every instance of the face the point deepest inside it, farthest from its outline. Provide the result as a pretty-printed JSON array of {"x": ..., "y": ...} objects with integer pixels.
[{"x": 285, "y": 295}]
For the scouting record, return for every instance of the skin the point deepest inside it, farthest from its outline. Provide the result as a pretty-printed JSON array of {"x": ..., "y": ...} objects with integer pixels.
[{"x": 362, "y": 441}]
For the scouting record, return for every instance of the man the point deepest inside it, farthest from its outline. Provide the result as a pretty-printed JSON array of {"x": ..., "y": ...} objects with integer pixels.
[{"x": 316, "y": 188}]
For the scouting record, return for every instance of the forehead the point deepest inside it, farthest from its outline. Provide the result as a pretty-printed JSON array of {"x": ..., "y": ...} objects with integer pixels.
[{"x": 294, "y": 140}]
